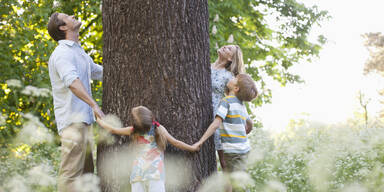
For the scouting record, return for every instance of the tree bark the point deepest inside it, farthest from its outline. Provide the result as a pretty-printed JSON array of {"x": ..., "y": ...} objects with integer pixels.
[{"x": 156, "y": 54}]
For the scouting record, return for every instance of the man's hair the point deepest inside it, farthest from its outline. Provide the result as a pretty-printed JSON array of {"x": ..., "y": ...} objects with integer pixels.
[
  {"x": 247, "y": 88},
  {"x": 54, "y": 24}
]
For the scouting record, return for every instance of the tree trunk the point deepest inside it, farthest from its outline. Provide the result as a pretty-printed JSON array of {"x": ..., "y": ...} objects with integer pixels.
[{"x": 156, "y": 54}]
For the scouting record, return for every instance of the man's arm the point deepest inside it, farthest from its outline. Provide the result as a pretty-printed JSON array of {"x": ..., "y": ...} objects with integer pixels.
[
  {"x": 96, "y": 72},
  {"x": 79, "y": 90}
]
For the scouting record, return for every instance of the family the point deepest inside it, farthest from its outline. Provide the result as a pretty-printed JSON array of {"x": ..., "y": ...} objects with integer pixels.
[{"x": 71, "y": 70}]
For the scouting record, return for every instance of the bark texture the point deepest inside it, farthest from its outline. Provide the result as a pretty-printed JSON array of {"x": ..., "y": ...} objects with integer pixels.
[{"x": 156, "y": 54}]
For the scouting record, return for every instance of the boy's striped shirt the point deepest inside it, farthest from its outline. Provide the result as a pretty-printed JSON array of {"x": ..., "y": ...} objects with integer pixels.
[{"x": 232, "y": 131}]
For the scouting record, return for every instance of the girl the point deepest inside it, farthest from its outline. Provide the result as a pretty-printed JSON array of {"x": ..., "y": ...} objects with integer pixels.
[
  {"x": 151, "y": 138},
  {"x": 229, "y": 63}
]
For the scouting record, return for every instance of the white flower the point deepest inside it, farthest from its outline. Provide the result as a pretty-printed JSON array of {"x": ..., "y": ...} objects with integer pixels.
[
  {"x": 34, "y": 131},
  {"x": 355, "y": 187},
  {"x": 216, "y": 19},
  {"x": 56, "y": 4},
  {"x": 2, "y": 120},
  {"x": 35, "y": 91},
  {"x": 13, "y": 83},
  {"x": 216, "y": 182},
  {"x": 40, "y": 175},
  {"x": 275, "y": 186},
  {"x": 230, "y": 39},
  {"x": 87, "y": 183},
  {"x": 17, "y": 184},
  {"x": 241, "y": 179},
  {"x": 214, "y": 30}
]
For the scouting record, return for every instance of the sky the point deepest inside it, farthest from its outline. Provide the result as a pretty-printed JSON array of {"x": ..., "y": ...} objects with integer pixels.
[{"x": 333, "y": 80}]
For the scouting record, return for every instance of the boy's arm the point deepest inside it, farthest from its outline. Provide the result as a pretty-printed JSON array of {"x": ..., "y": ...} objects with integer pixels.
[
  {"x": 211, "y": 129},
  {"x": 175, "y": 142},
  {"x": 249, "y": 126},
  {"x": 117, "y": 131}
]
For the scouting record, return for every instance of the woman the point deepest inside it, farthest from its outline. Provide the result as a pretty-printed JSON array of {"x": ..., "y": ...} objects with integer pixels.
[{"x": 228, "y": 64}]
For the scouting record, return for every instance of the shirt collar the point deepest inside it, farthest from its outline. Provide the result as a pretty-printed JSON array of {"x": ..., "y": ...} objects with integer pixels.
[{"x": 68, "y": 42}]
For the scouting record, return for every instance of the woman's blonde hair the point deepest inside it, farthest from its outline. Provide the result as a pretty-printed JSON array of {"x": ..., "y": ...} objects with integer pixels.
[
  {"x": 236, "y": 66},
  {"x": 143, "y": 119}
]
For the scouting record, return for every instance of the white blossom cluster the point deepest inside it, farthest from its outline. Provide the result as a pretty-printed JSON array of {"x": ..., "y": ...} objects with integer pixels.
[
  {"x": 36, "y": 92},
  {"x": 34, "y": 131},
  {"x": 13, "y": 83},
  {"x": 87, "y": 183},
  {"x": 2, "y": 120},
  {"x": 40, "y": 176},
  {"x": 319, "y": 157}
]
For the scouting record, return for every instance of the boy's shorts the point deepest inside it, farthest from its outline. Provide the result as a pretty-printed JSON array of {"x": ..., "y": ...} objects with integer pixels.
[{"x": 235, "y": 161}]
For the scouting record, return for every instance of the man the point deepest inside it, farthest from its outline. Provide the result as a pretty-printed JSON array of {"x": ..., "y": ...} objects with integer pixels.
[{"x": 70, "y": 71}]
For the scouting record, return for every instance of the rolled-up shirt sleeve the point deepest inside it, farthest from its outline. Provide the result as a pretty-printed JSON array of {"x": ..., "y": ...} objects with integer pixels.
[
  {"x": 222, "y": 109},
  {"x": 96, "y": 71},
  {"x": 66, "y": 69}
]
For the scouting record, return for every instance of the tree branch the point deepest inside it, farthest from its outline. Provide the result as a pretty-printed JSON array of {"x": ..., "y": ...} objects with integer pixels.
[{"x": 89, "y": 25}]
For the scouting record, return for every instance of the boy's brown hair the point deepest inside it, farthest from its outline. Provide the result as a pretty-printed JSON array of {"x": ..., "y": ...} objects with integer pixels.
[
  {"x": 247, "y": 88},
  {"x": 54, "y": 24}
]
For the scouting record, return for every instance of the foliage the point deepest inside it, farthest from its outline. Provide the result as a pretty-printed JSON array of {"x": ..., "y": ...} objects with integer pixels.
[
  {"x": 374, "y": 42},
  {"x": 273, "y": 35},
  {"x": 26, "y": 46},
  {"x": 30, "y": 161},
  {"x": 319, "y": 157},
  {"x": 268, "y": 50},
  {"x": 308, "y": 156}
]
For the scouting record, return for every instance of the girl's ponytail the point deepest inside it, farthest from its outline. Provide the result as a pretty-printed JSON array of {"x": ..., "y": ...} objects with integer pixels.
[{"x": 161, "y": 141}]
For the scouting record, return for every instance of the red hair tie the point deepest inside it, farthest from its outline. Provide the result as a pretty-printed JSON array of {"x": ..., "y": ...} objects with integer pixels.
[{"x": 155, "y": 123}]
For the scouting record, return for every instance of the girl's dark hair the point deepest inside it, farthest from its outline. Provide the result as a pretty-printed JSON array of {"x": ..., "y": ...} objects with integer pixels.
[{"x": 143, "y": 120}]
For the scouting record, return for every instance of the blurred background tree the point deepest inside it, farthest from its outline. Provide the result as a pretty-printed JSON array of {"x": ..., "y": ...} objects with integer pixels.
[{"x": 374, "y": 42}]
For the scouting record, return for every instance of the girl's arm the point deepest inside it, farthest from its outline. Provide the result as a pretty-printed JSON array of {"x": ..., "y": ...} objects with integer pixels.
[
  {"x": 117, "y": 131},
  {"x": 211, "y": 129},
  {"x": 175, "y": 142}
]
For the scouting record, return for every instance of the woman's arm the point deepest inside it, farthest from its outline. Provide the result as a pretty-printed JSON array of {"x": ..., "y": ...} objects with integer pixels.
[
  {"x": 117, "y": 131},
  {"x": 175, "y": 142}
]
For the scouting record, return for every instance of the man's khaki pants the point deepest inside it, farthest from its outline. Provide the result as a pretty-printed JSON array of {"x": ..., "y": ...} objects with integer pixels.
[{"x": 76, "y": 155}]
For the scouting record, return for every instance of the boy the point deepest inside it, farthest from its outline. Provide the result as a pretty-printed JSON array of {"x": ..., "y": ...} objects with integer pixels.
[{"x": 234, "y": 122}]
